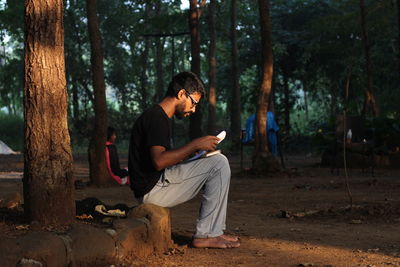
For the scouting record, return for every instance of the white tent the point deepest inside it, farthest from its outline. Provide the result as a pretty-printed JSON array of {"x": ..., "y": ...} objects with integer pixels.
[{"x": 5, "y": 150}]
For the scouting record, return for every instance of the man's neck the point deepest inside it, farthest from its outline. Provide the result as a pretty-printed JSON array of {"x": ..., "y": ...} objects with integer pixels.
[{"x": 168, "y": 105}]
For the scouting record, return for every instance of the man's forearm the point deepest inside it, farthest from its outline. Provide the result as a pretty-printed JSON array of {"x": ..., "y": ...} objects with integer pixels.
[{"x": 167, "y": 158}]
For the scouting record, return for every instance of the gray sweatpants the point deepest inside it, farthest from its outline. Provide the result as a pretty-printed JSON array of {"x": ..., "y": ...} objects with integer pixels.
[{"x": 182, "y": 182}]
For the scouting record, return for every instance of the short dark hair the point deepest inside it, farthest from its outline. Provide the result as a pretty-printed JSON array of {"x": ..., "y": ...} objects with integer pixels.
[
  {"x": 110, "y": 132},
  {"x": 185, "y": 80}
]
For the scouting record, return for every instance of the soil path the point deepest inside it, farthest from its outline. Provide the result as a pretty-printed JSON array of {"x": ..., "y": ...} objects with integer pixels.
[{"x": 298, "y": 219}]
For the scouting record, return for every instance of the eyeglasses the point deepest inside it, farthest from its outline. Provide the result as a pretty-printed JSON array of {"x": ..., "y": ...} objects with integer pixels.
[{"x": 194, "y": 102}]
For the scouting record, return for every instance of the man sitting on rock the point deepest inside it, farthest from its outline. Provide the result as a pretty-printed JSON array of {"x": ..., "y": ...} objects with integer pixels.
[{"x": 159, "y": 174}]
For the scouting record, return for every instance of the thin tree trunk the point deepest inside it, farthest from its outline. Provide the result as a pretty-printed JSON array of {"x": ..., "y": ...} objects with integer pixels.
[
  {"x": 97, "y": 158},
  {"x": 72, "y": 65},
  {"x": 369, "y": 98},
  {"x": 305, "y": 101},
  {"x": 173, "y": 57},
  {"x": 159, "y": 61},
  {"x": 195, "y": 129},
  {"x": 144, "y": 60},
  {"x": 48, "y": 180},
  {"x": 286, "y": 93},
  {"x": 263, "y": 161},
  {"x": 235, "y": 109},
  {"x": 75, "y": 105},
  {"x": 398, "y": 33},
  {"x": 333, "y": 112},
  {"x": 212, "y": 72}
]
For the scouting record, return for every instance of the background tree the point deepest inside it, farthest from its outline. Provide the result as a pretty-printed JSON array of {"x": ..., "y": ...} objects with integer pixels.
[
  {"x": 195, "y": 129},
  {"x": 263, "y": 161},
  {"x": 369, "y": 97},
  {"x": 235, "y": 108},
  {"x": 97, "y": 158},
  {"x": 212, "y": 70},
  {"x": 318, "y": 47},
  {"x": 159, "y": 60},
  {"x": 48, "y": 181}
]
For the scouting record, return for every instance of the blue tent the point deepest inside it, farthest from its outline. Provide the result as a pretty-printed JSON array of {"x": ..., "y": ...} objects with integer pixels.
[{"x": 272, "y": 129}]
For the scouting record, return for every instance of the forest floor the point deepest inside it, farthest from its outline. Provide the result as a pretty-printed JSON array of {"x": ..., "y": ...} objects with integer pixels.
[{"x": 300, "y": 218}]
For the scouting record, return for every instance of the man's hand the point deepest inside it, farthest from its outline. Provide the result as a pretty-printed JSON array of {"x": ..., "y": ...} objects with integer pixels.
[
  {"x": 163, "y": 159},
  {"x": 208, "y": 143}
]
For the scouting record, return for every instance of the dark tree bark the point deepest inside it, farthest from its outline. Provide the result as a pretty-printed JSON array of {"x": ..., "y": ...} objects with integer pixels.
[
  {"x": 195, "y": 129},
  {"x": 159, "y": 61},
  {"x": 286, "y": 93},
  {"x": 235, "y": 109},
  {"x": 48, "y": 181},
  {"x": 369, "y": 97},
  {"x": 144, "y": 60},
  {"x": 75, "y": 105},
  {"x": 212, "y": 72},
  {"x": 97, "y": 158},
  {"x": 263, "y": 161},
  {"x": 398, "y": 33},
  {"x": 72, "y": 69}
]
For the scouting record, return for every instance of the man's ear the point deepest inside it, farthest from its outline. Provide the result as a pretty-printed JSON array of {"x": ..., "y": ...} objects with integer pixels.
[{"x": 181, "y": 93}]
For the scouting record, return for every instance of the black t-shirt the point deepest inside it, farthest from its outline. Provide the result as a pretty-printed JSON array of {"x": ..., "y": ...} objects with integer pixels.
[{"x": 152, "y": 128}]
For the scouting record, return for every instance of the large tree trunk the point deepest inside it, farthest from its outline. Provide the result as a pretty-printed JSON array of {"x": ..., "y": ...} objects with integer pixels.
[
  {"x": 235, "y": 109},
  {"x": 48, "y": 181},
  {"x": 369, "y": 98},
  {"x": 263, "y": 161},
  {"x": 97, "y": 157},
  {"x": 195, "y": 129},
  {"x": 212, "y": 72}
]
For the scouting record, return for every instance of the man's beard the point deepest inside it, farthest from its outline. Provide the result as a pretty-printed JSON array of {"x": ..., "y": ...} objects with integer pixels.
[{"x": 180, "y": 113}]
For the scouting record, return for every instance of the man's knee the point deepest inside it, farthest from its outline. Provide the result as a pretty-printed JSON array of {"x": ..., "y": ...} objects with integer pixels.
[
  {"x": 222, "y": 163},
  {"x": 221, "y": 158}
]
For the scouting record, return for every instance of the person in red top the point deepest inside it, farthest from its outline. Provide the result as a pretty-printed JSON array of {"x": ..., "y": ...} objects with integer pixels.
[{"x": 118, "y": 174}]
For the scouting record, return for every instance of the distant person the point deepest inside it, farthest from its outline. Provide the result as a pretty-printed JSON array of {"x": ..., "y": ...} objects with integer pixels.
[
  {"x": 159, "y": 174},
  {"x": 272, "y": 130},
  {"x": 114, "y": 169}
]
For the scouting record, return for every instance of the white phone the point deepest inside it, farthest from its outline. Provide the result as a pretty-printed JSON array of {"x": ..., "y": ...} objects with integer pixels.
[{"x": 221, "y": 136}]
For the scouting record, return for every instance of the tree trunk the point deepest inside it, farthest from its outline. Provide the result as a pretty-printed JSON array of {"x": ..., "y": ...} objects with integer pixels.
[
  {"x": 75, "y": 104},
  {"x": 72, "y": 68},
  {"x": 48, "y": 181},
  {"x": 196, "y": 119},
  {"x": 97, "y": 158},
  {"x": 263, "y": 161},
  {"x": 144, "y": 60},
  {"x": 159, "y": 61},
  {"x": 305, "y": 100},
  {"x": 212, "y": 72},
  {"x": 235, "y": 109},
  {"x": 369, "y": 98},
  {"x": 286, "y": 93},
  {"x": 398, "y": 33}
]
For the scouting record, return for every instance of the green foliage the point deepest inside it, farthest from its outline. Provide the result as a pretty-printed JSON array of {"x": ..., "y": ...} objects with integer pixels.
[
  {"x": 317, "y": 47},
  {"x": 12, "y": 131}
]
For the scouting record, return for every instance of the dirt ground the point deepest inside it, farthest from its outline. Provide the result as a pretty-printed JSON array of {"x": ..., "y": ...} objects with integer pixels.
[{"x": 301, "y": 218}]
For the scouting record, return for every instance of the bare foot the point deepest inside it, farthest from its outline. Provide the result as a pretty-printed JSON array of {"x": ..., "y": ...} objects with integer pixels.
[
  {"x": 230, "y": 238},
  {"x": 214, "y": 242}
]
